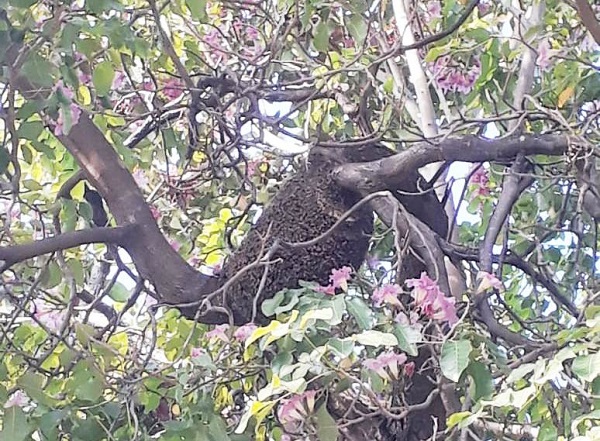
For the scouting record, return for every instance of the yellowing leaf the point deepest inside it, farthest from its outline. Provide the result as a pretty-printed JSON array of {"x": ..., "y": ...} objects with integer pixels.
[
  {"x": 259, "y": 410},
  {"x": 78, "y": 190},
  {"x": 262, "y": 331},
  {"x": 85, "y": 96},
  {"x": 316, "y": 314},
  {"x": 564, "y": 96},
  {"x": 457, "y": 417}
]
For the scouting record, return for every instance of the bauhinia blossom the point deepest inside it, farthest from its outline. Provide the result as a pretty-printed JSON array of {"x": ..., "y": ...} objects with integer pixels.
[
  {"x": 386, "y": 364},
  {"x": 292, "y": 411},
  {"x": 488, "y": 281},
  {"x": 480, "y": 179},
  {"x": 243, "y": 332},
  {"x": 431, "y": 300},
  {"x": 48, "y": 316},
  {"x": 388, "y": 293},
  {"x": 17, "y": 399},
  {"x": 197, "y": 352},
  {"x": 219, "y": 333},
  {"x": 339, "y": 277}
]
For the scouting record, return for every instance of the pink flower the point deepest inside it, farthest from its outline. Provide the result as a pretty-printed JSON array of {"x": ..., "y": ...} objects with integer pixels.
[
  {"x": 480, "y": 179},
  {"x": 410, "y": 321},
  {"x": 294, "y": 410},
  {"x": 64, "y": 90},
  {"x": 431, "y": 300},
  {"x": 172, "y": 88},
  {"x": 18, "y": 399},
  {"x": 339, "y": 277},
  {"x": 329, "y": 290},
  {"x": 197, "y": 352},
  {"x": 434, "y": 9},
  {"x": 66, "y": 120},
  {"x": 409, "y": 369},
  {"x": 219, "y": 333},
  {"x": 388, "y": 293},
  {"x": 425, "y": 290},
  {"x": 174, "y": 244},
  {"x": 118, "y": 80},
  {"x": 484, "y": 8},
  {"x": 488, "y": 281},
  {"x": 386, "y": 364},
  {"x": 48, "y": 316},
  {"x": 156, "y": 214},
  {"x": 544, "y": 54},
  {"x": 84, "y": 78},
  {"x": 244, "y": 332},
  {"x": 252, "y": 33},
  {"x": 148, "y": 85},
  {"x": 454, "y": 76},
  {"x": 252, "y": 167},
  {"x": 444, "y": 309}
]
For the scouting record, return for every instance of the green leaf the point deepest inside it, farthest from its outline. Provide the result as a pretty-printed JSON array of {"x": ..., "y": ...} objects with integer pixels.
[
  {"x": 15, "y": 425},
  {"x": 338, "y": 305},
  {"x": 520, "y": 372},
  {"x": 119, "y": 293},
  {"x": 49, "y": 423},
  {"x": 342, "y": 348},
  {"x": 197, "y": 8},
  {"x": 375, "y": 338},
  {"x": 360, "y": 311},
  {"x": 103, "y": 77},
  {"x": 407, "y": 338},
  {"x": 326, "y": 427},
  {"x": 68, "y": 214},
  {"x": 357, "y": 27},
  {"x": 548, "y": 432},
  {"x": 22, "y": 3},
  {"x": 321, "y": 37},
  {"x": 30, "y": 130},
  {"x": 484, "y": 383},
  {"x": 89, "y": 388},
  {"x": 32, "y": 185},
  {"x": 53, "y": 275},
  {"x": 276, "y": 305},
  {"x": 38, "y": 70},
  {"x": 455, "y": 358},
  {"x": 33, "y": 385},
  {"x": 587, "y": 367},
  {"x": 217, "y": 428}
]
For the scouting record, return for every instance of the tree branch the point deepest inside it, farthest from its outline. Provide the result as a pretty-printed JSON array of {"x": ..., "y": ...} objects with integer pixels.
[
  {"x": 511, "y": 190},
  {"x": 18, "y": 253},
  {"x": 588, "y": 18},
  {"x": 154, "y": 258},
  {"x": 465, "y": 253},
  {"x": 391, "y": 172}
]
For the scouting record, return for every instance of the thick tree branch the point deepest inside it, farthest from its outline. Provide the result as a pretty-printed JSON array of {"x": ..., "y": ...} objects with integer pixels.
[
  {"x": 422, "y": 239},
  {"x": 588, "y": 18},
  {"x": 18, "y": 253},
  {"x": 391, "y": 172},
  {"x": 155, "y": 259},
  {"x": 526, "y": 72}
]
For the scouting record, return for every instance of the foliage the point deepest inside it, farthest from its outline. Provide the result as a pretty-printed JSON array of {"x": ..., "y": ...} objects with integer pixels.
[{"x": 88, "y": 353}]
